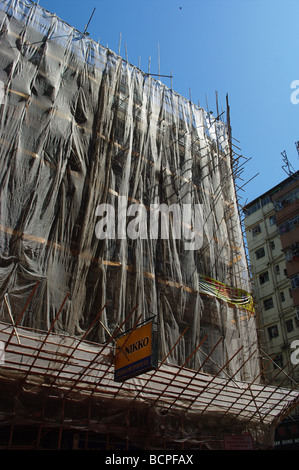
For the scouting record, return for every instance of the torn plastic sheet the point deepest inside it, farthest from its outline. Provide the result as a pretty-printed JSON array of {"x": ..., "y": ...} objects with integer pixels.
[{"x": 79, "y": 127}]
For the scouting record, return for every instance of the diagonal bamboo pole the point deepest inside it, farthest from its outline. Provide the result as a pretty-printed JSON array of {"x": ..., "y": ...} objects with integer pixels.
[
  {"x": 101, "y": 350},
  {"x": 160, "y": 365},
  {"x": 22, "y": 313}
]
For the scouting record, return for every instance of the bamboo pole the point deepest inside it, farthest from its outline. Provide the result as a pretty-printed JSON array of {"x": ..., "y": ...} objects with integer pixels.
[{"x": 22, "y": 313}]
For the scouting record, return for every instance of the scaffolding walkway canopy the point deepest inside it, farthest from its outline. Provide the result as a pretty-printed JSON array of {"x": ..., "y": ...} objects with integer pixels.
[{"x": 179, "y": 404}]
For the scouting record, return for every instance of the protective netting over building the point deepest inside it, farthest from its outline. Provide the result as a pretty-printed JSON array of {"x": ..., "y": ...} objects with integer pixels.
[{"x": 81, "y": 127}]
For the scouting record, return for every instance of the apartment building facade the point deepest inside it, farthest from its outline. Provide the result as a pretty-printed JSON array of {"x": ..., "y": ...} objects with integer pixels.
[{"x": 272, "y": 238}]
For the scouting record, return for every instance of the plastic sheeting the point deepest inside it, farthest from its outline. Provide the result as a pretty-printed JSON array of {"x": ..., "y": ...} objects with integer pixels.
[{"x": 81, "y": 127}]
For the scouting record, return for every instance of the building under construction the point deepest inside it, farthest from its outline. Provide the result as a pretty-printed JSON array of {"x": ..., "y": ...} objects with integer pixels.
[{"x": 81, "y": 127}]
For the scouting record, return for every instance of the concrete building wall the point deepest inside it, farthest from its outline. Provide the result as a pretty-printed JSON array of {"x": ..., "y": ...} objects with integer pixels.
[{"x": 272, "y": 288}]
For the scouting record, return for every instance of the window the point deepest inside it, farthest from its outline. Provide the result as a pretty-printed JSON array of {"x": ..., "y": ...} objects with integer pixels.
[
  {"x": 272, "y": 245},
  {"x": 292, "y": 197},
  {"x": 266, "y": 200},
  {"x": 278, "y": 361},
  {"x": 252, "y": 209},
  {"x": 268, "y": 303},
  {"x": 293, "y": 253},
  {"x": 295, "y": 281},
  {"x": 288, "y": 226},
  {"x": 260, "y": 253},
  {"x": 256, "y": 230},
  {"x": 282, "y": 296},
  {"x": 277, "y": 269},
  {"x": 289, "y": 326},
  {"x": 273, "y": 331},
  {"x": 264, "y": 278},
  {"x": 272, "y": 220}
]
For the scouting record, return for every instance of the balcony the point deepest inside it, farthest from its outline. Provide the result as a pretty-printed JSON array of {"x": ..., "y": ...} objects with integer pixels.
[
  {"x": 295, "y": 296},
  {"x": 289, "y": 238},
  {"x": 287, "y": 212},
  {"x": 293, "y": 266}
]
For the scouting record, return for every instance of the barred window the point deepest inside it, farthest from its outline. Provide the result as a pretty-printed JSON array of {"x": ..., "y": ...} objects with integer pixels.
[
  {"x": 260, "y": 253},
  {"x": 268, "y": 303},
  {"x": 273, "y": 331}
]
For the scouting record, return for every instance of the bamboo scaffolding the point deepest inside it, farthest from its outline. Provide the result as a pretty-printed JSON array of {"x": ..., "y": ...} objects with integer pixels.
[
  {"x": 249, "y": 387},
  {"x": 187, "y": 383},
  {"x": 225, "y": 384},
  {"x": 181, "y": 367},
  {"x": 77, "y": 346},
  {"x": 45, "y": 338},
  {"x": 151, "y": 377},
  {"x": 201, "y": 366},
  {"x": 102, "y": 349},
  {"x": 182, "y": 389},
  {"x": 122, "y": 349},
  {"x": 22, "y": 313}
]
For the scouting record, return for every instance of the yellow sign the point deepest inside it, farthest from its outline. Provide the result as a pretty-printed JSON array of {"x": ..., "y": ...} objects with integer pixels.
[
  {"x": 238, "y": 297},
  {"x": 136, "y": 352}
]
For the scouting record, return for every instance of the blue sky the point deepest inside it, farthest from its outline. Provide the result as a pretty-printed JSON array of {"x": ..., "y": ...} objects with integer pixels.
[{"x": 246, "y": 48}]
